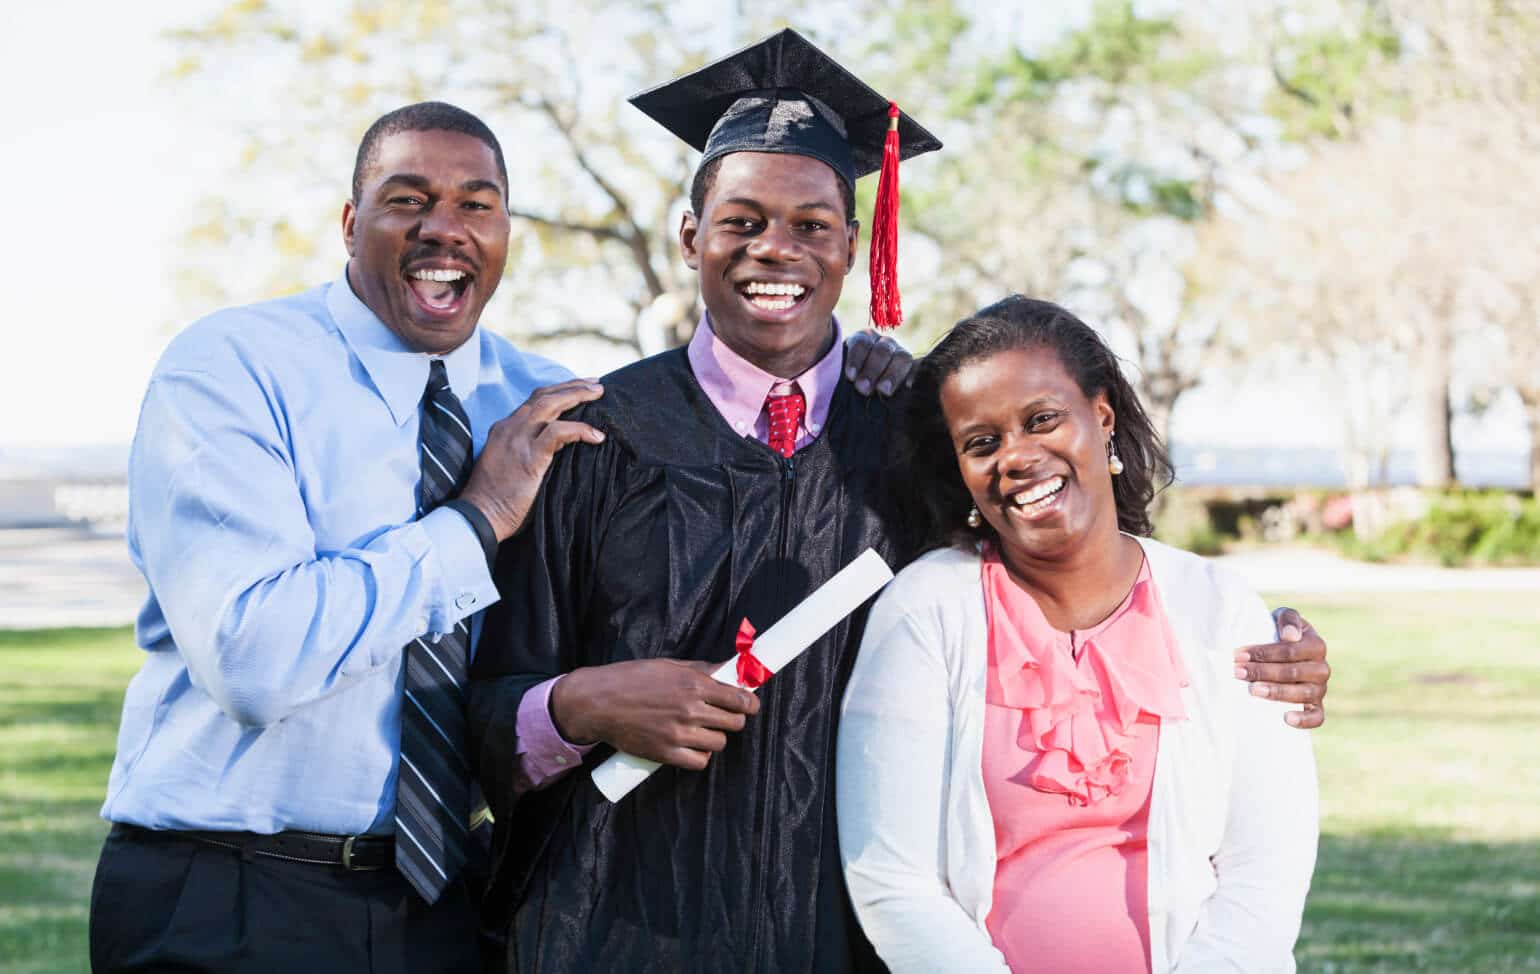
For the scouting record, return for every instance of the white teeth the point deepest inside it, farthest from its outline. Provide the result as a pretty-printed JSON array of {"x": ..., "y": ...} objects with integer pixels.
[
  {"x": 441, "y": 277},
  {"x": 1041, "y": 492},
  {"x": 773, "y": 304},
  {"x": 763, "y": 287}
]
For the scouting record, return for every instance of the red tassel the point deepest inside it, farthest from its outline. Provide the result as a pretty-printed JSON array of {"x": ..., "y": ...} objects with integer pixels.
[{"x": 887, "y": 310}]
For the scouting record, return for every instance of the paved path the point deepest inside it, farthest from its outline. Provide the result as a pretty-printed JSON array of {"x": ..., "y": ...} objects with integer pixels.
[
  {"x": 54, "y": 577},
  {"x": 1313, "y": 570},
  {"x": 75, "y": 578}
]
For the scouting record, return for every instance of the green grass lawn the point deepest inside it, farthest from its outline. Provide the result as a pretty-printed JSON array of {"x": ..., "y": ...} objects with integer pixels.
[
  {"x": 60, "y": 695},
  {"x": 1430, "y": 853},
  {"x": 1430, "y": 859}
]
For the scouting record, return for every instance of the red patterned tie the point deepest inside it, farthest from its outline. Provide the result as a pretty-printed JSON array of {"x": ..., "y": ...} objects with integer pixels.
[{"x": 785, "y": 416}]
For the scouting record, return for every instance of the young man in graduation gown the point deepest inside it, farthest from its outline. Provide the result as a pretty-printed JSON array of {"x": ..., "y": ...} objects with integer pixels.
[{"x": 738, "y": 475}]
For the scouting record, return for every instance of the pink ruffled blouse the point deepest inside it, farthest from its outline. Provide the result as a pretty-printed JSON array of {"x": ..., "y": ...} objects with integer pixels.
[{"x": 1071, "y": 724}]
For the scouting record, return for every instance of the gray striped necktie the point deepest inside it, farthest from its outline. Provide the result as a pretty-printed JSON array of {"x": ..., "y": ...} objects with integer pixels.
[{"x": 433, "y": 787}]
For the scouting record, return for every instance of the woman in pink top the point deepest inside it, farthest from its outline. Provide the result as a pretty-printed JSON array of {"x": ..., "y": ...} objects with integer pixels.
[{"x": 1045, "y": 763}]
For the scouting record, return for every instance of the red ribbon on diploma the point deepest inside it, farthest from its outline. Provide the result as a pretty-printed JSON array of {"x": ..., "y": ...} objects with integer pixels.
[{"x": 751, "y": 672}]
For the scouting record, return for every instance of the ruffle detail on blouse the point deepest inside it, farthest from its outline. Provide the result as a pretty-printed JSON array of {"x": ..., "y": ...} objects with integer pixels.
[{"x": 1080, "y": 742}]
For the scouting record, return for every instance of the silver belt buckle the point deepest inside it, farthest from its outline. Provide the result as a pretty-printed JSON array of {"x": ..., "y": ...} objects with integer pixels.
[{"x": 347, "y": 854}]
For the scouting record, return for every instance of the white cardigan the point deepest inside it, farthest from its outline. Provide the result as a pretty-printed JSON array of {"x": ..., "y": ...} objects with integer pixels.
[{"x": 1233, "y": 813}]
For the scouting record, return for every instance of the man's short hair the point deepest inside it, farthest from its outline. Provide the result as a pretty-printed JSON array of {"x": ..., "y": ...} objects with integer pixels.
[
  {"x": 706, "y": 179},
  {"x": 425, "y": 116}
]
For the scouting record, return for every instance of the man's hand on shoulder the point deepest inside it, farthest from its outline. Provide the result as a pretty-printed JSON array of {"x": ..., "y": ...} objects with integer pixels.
[
  {"x": 666, "y": 710},
  {"x": 874, "y": 361},
  {"x": 519, "y": 450},
  {"x": 1293, "y": 669}
]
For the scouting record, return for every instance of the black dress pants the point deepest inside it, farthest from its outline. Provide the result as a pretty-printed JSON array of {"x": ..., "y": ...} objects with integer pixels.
[{"x": 167, "y": 903}]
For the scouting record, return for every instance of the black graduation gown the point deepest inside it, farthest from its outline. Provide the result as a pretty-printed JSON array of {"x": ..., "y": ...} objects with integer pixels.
[{"x": 657, "y": 543}]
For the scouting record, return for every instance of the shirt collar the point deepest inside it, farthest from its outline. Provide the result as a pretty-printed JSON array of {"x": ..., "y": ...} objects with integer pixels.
[
  {"x": 399, "y": 374},
  {"x": 738, "y": 387}
]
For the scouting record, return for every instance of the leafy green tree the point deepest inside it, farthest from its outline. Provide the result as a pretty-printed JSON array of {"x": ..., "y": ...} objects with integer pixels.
[
  {"x": 1418, "y": 115},
  {"x": 1086, "y": 166}
]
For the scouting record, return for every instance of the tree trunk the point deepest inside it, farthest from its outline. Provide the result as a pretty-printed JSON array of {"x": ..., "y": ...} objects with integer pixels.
[
  {"x": 1531, "y": 400},
  {"x": 1435, "y": 444},
  {"x": 1159, "y": 389},
  {"x": 1160, "y": 409}
]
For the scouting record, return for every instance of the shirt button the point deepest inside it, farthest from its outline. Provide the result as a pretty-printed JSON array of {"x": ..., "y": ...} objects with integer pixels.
[
  {"x": 465, "y": 600},
  {"x": 742, "y": 427},
  {"x": 561, "y": 760}
]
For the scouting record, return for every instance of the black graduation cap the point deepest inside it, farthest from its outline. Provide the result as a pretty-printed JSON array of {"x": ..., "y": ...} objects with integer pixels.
[{"x": 783, "y": 94}]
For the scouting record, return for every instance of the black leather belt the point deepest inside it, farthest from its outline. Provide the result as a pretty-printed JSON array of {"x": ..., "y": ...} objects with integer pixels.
[{"x": 355, "y": 852}]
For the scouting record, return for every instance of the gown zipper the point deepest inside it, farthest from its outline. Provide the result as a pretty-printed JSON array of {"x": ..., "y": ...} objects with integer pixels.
[{"x": 772, "y": 727}]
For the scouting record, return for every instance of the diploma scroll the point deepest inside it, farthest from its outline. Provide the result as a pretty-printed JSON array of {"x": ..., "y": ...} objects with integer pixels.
[{"x": 775, "y": 648}]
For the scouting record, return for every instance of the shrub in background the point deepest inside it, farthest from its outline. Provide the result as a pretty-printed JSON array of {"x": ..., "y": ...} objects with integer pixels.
[
  {"x": 1459, "y": 528},
  {"x": 1183, "y": 521}
]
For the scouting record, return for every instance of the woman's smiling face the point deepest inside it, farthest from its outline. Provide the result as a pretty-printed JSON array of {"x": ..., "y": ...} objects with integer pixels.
[{"x": 1032, "y": 450}]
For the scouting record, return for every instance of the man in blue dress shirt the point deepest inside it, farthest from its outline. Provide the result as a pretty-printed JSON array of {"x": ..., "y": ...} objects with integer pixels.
[{"x": 274, "y": 489}]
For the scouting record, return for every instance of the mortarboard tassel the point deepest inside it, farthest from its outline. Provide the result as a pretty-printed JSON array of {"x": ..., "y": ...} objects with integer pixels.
[{"x": 887, "y": 310}]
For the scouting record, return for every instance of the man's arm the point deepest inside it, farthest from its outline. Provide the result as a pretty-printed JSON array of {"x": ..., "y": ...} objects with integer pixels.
[
  {"x": 1291, "y": 670},
  {"x": 265, "y": 623}
]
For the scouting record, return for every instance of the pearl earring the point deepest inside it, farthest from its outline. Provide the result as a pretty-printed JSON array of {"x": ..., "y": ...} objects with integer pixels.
[
  {"x": 1114, "y": 462},
  {"x": 974, "y": 518}
]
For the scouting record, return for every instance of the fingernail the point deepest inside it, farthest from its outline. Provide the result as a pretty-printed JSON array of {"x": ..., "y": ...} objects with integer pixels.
[
  {"x": 850, "y": 374},
  {"x": 1290, "y": 633},
  {"x": 886, "y": 388},
  {"x": 1292, "y": 719},
  {"x": 864, "y": 387},
  {"x": 599, "y": 436},
  {"x": 1261, "y": 690},
  {"x": 1241, "y": 656},
  {"x": 1240, "y": 673}
]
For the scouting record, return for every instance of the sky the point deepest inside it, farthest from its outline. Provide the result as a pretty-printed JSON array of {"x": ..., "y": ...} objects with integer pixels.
[
  {"x": 104, "y": 162},
  {"x": 100, "y": 170}
]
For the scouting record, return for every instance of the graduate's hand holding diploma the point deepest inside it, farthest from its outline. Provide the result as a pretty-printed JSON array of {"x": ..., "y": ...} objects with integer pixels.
[
  {"x": 761, "y": 655},
  {"x": 666, "y": 710},
  {"x": 519, "y": 450}
]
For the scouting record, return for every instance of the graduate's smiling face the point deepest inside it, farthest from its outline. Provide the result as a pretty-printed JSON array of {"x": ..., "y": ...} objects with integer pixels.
[
  {"x": 1032, "y": 450},
  {"x": 428, "y": 236},
  {"x": 773, "y": 243}
]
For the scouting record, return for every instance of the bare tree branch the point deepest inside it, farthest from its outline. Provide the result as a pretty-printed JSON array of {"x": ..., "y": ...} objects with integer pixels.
[
  {"x": 1285, "y": 83},
  {"x": 582, "y": 331},
  {"x": 635, "y": 237},
  {"x": 594, "y": 230}
]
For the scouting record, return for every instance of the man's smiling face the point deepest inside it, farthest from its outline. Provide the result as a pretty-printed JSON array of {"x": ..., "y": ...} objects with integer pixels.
[
  {"x": 773, "y": 244},
  {"x": 428, "y": 236}
]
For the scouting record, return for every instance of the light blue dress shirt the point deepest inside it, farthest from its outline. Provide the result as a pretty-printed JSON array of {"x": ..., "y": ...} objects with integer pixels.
[{"x": 271, "y": 496}]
